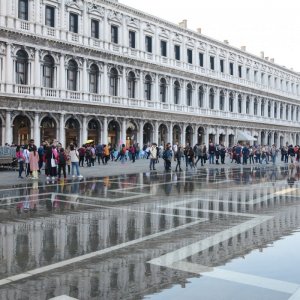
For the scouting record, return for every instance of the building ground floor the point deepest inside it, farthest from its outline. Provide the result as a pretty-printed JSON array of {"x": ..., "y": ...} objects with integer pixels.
[{"x": 75, "y": 123}]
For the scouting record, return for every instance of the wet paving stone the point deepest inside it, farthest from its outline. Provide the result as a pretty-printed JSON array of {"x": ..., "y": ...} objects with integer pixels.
[{"x": 214, "y": 233}]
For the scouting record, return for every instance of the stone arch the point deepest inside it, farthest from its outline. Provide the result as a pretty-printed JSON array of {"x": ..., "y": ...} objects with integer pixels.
[
  {"x": 131, "y": 132},
  {"x": 21, "y": 129},
  {"x": 148, "y": 132},
  {"x": 72, "y": 130},
  {"x": 94, "y": 130},
  {"x": 201, "y": 135},
  {"x": 114, "y": 132},
  {"x": 48, "y": 127},
  {"x": 177, "y": 134},
  {"x": 189, "y": 135},
  {"x": 162, "y": 134}
]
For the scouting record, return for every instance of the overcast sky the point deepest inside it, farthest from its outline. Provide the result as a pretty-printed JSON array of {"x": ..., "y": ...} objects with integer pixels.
[{"x": 272, "y": 26}]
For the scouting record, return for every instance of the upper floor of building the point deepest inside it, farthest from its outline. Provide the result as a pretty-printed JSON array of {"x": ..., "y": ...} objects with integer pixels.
[{"x": 112, "y": 27}]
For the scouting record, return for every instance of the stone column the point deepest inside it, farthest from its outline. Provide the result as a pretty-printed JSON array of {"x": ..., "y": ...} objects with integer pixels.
[
  {"x": 37, "y": 130},
  {"x": 84, "y": 87},
  {"x": 62, "y": 130},
  {"x": 105, "y": 131},
  {"x": 155, "y": 133},
  {"x": 284, "y": 111},
  {"x": 9, "y": 69},
  {"x": 123, "y": 136},
  {"x": 259, "y": 107},
  {"x": 226, "y": 101},
  {"x": 37, "y": 71},
  {"x": 141, "y": 133},
  {"x": 62, "y": 74},
  {"x": 8, "y": 128},
  {"x": 105, "y": 75},
  {"x": 124, "y": 92},
  {"x": 171, "y": 93},
  {"x": 217, "y": 100},
  {"x": 84, "y": 132},
  {"x": 171, "y": 133},
  {"x": 156, "y": 89},
  {"x": 195, "y": 136},
  {"x": 183, "y": 135},
  {"x": 244, "y": 102},
  {"x": 140, "y": 94}
]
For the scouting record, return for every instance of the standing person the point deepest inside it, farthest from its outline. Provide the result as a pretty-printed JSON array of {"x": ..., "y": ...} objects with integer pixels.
[
  {"x": 222, "y": 153},
  {"x": 245, "y": 152},
  {"x": 132, "y": 151},
  {"x": 67, "y": 152},
  {"x": 106, "y": 154},
  {"x": 54, "y": 156},
  {"x": 75, "y": 161},
  {"x": 251, "y": 155},
  {"x": 177, "y": 157},
  {"x": 273, "y": 153},
  {"x": 99, "y": 153},
  {"x": 62, "y": 161},
  {"x": 34, "y": 162},
  {"x": 153, "y": 156},
  {"x": 41, "y": 152},
  {"x": 186, "y": 155},
  {"x": 167, "y": 156},
  {"x": 26, "y": 156},
  {"x": 238, "y": 153},
  {"x": 20, "y": 157},
  {"x": 81, "y": 155},
  {"x": 211, "y": 153},
  {"x": 191, "y": 157},
  {"x": 217, "y": 154}
]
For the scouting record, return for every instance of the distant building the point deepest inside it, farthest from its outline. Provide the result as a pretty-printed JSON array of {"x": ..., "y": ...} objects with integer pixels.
[{"x": 77, "y": 70}]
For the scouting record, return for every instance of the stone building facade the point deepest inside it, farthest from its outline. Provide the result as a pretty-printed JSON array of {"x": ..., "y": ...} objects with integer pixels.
[{"x": 83, "y": 69}]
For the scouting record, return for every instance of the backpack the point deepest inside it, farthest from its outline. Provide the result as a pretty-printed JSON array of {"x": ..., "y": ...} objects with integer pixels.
[{"x": 61, "y": 158}]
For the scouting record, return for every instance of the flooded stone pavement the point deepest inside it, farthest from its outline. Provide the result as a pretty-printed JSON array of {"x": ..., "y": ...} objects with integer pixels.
[{"x": 212, "y": 234}]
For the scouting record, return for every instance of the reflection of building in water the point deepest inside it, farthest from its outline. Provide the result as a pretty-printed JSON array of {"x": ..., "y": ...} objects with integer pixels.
[{"x": 42, "y": 241}]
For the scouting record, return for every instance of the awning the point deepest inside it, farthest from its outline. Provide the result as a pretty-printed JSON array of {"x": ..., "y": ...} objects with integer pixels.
[{"x": 244, "y": 136}]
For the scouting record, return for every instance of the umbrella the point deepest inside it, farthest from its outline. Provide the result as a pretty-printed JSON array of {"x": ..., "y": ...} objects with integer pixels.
[{"x": 89, "y": 141}]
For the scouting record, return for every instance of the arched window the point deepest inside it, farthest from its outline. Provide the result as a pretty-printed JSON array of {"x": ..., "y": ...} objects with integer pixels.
[
  {"x": 176, "y": 92},
  {"x": 113, "y": 82},
  {"x": 189, "y": 94},
  {"x": 72, "y": 75},
  {"x": 248, "y": 106},
  {"x": 131, "y": 85},
  {"x": 94, "y": 77},
  {"x": 262, "y": 108},
  {"x": 221, "y": 100},
  {"x": 231, "y": 102},
  {"x": 48, "y": 72},
  {"x": 23, "y": 10},
  {"x": 148, "y": 87},
  {"x": 211, "y": 99},
  {"x": 269, "y": 109},
  {"x": 201, "y": 96},
  {"x": 275, "y": 110},
  {"x": 255, "y": 107},
  {"x": 163, "y": 90},
  {"x": 22, "y": 67},
  {"x": 240, "y": 104}
]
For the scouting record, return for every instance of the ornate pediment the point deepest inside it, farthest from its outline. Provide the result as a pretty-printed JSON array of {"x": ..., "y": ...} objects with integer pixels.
[
  {"x": 96, "y": 10},
  {"x": 75, "y": 4},
  {"x": 177, "y": 38},
  {"x": 133, "y": 22},
  {"x": 115, "y": 16},
  {"x": 149, "y": 28},
  {"x": 164, "y": 33}
]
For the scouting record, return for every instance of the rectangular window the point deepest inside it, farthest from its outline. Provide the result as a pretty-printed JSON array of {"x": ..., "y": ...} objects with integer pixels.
[
  {"x": 131, "y": 39},
  {"x": 177, "y": 52},
  {"x": 201, "y": 59},
  {"x": 148, "y": 44},
  {"x": 222, "y": 65},
  {"x": 49, "y": 16},
  {"x": 255, "y": 76},
  {"x": 114, "y": 34},
  {"x": 212, "y": 62},
  {"x": 231, "y": 68},
  {"x": 163, "y": 48},
  {"x": 95, "y": 29},
  {"x": 23, "y": 10},
  {"x": 248, "y": 73},
  {"x": 73, "y": 25},
  {"x": 262, "y": 78},
  {"x": 240, "y": 71},
  {"x": 190, "y": 56}
]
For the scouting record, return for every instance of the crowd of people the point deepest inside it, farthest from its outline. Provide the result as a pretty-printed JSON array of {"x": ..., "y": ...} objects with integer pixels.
[{"x": 58, "y": 162}]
